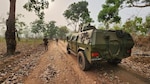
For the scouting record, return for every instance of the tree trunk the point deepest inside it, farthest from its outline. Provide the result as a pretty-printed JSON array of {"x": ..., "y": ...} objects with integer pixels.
[{"x": 10, "y": 32}]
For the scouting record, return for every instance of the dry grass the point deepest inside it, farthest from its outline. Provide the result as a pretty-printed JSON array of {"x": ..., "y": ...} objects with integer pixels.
[
  {"x": 142, "y": 42},
  {"x": 28, "y": 43}
]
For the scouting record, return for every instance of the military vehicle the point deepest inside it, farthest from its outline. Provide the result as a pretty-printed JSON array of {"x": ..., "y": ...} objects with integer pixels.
[{"x": 91, "y": 45}]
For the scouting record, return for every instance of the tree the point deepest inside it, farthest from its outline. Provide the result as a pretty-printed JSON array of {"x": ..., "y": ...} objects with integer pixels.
[
  {"x": 110, "y": 10},
  {"x": 10, "y": 32},
  {"x": 109, "y": 13},
  {"x": 20, "y": 25},
  {"x": 38, "y": 6},
  {"x": 128, "y": 26},
  {"x": 62, "y": 31},
  {"x": 47, "y": 29},
  {"x": 135, "y": 26},
  {"x": 51, "y": 29},
  {"x": 147, "y": 23},
  {"x": 26, "y": 32},
  {"x": 35, "y": 5},
  {"x": 117, "y": 27},
  {"x": 37, "y": 26},
  {"x": 135, "y": 3},
  {"x": 76, "y": 13}
]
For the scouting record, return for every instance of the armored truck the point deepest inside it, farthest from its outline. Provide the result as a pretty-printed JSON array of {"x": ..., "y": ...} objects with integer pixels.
[{"x": 90, "y": 45}]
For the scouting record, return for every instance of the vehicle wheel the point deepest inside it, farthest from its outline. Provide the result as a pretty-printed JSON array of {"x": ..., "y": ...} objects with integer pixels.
[
  {"x": 68, "y": 50},
  {"x": 114, "y": 61},
  {"x": 82, "y": 61}
]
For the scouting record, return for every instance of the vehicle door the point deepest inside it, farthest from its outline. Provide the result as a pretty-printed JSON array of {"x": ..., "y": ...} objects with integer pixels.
[{"x": 74, "y": 44}]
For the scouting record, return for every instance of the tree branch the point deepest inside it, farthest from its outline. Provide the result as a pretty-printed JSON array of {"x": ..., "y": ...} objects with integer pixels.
[
  {"x": 142, "y": 6},
  {"x": 139, "y": 6}
]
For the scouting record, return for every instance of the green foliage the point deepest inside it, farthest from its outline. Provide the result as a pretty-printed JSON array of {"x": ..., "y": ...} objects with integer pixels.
[
  {"x": 20, "y": 25},
  {"x": 62, "y": 31},
  {"x": 110, "y": 10},
  {"x": 37, "y": 26},
  {"x": 117, "y": 27},
  {"x": 135, "y": 3},
  {"x": 47, "y": 29},
  {"x": 109, "y": 13},
  {"x": 135, "y": 26},
  {"x": 51, "y": 30},
  {"x": 101, "y": 28},
  {"x": 37, "y": 6},
  {"x": 78, "y": 12},
  {"x": 147, "y": 23},
  {"x": 128, "y": 26}
]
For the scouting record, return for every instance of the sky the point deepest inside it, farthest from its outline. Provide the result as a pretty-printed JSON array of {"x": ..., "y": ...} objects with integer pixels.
[{"x": 56, "y": 9}]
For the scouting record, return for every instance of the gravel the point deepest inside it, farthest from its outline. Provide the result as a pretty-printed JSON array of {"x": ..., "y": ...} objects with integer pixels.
[
  {"x": 15, "y": 72},
  {"x": 49, "y": 74}
]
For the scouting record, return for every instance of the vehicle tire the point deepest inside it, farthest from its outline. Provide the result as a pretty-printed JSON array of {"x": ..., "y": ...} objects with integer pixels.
[
  {"x": 82, "y": 61},
  {"x": 68, "y": 49}
]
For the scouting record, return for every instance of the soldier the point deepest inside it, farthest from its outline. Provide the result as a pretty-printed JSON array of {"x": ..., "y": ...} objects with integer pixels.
[
  {"x": 45, "y": 40},
  {"x": 57, "y": 41}
]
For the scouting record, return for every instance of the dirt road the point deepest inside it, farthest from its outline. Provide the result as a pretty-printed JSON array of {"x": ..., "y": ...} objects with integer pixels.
[{"x": 55, "y": 66}]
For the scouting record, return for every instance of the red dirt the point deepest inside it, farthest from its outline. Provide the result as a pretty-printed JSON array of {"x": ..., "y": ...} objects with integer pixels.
[{"x": 55, "y": 66}]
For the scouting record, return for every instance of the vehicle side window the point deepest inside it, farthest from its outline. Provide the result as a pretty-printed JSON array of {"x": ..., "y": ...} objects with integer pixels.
[{"x": 74, "y": 38}]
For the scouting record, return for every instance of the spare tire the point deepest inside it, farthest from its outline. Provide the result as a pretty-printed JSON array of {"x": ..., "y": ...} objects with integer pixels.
[
  {"x": 120, "y": 33},
  {"x": 114, "y": 47}
]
